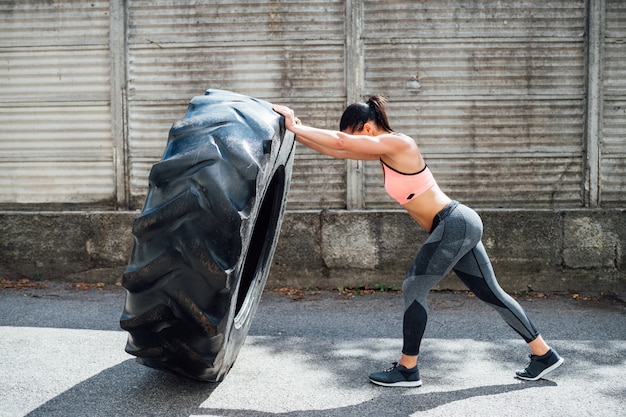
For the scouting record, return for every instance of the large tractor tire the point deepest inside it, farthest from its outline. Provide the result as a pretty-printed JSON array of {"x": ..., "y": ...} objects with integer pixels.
[{"x": 204, "y": 241}]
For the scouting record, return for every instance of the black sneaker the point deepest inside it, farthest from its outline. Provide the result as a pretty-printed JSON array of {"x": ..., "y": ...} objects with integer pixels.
[
  {"x": 540, "y": 366},
  {"x": 397, "y": 376}
]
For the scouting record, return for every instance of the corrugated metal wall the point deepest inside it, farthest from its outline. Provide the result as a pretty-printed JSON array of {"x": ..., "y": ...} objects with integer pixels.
[
  {"x": 275, "y": 50},
  {"x": 55, "y": 120},
  {"x": 613, "y": 136},
  {"x": 496, "y": 93},
  {"x": 492, "y": 91}
]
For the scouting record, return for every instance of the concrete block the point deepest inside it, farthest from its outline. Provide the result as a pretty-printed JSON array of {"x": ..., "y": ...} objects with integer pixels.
[
  {"x": 298, "y": 258},
  {"x": 74, "y": 246},
  {"x": 348, "y": 240},
  {"x": 590, "y": 243}
]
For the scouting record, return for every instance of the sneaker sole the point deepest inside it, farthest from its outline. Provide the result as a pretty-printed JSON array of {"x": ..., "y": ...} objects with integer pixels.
[
  {"x": 406, "y": 384},
  {"x": 544, "y": 372}
]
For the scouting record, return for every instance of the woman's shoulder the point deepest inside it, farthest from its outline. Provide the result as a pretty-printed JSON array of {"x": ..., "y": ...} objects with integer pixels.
[
  {"x": 396, "y": 135},
  {"x": 402, "y": 138},
  {"x": 404, "y": 135}
]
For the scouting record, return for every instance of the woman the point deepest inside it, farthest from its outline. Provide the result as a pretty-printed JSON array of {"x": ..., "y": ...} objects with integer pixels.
[{"x": 455, "y": 234}]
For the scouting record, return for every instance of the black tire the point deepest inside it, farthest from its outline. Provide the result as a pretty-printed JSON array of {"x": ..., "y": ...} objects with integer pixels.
[{"x": 204, "y": 241}]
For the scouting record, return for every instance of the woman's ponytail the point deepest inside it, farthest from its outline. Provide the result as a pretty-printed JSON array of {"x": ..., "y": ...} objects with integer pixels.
[
  {"x": 377, "y": 105},
  {"x": 356, "y": 115}
]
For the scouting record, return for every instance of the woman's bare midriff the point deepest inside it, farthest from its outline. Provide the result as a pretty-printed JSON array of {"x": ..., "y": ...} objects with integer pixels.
[{"x": 425, "y": 207}]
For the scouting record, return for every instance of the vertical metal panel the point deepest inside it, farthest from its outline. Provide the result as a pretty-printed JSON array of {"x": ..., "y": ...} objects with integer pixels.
[
  {"x": 355, "y": 177},
  {"x": 55, "y": 103},
  {"x": 118, "y": 92},
  {"x": 291, "y": 51},
  {"x": 613, "y": 141},
  {"x": 591, "y": 183},
  {"x": 492, "y": 92}
]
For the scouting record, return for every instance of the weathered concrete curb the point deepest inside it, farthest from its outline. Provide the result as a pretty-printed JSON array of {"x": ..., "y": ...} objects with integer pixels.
[{"x": 545, "y": 250}]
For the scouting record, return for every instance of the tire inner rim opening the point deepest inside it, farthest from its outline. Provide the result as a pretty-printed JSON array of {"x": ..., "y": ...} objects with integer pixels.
[{"x": 256, "y": 268}]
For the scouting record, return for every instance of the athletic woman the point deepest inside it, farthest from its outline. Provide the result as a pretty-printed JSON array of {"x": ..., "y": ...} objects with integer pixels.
[{"x": 455, "y": 231}]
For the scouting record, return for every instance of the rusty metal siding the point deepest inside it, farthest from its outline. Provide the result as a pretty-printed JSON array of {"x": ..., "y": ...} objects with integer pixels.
[
  {"x": 492, "y": 93},
  {"x": 54, "y": 104},
  {"x": 513, "y": 105},
  {"x": 292, "y": 51},
  {"x": 613, "y": 140}
]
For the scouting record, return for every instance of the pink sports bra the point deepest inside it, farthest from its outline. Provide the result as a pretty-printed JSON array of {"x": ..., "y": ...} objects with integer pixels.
[{"x": 405, "y": 187}]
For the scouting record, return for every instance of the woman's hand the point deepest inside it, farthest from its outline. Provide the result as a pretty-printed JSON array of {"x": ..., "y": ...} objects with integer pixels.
[
  {"x": 327, "y": 142},
  {"x": 290, "y": 118}
]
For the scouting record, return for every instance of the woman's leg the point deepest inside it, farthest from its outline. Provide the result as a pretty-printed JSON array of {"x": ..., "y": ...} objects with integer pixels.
[
  {"x": 458, "y": 232},
  {"x": 447, "y": 243},
  {"x": 476, "y": 272},
  {"x": 456, "y": 243}
]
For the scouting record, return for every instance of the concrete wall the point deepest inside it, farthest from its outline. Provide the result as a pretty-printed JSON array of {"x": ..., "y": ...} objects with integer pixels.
[{"x": 545, "y": 250}]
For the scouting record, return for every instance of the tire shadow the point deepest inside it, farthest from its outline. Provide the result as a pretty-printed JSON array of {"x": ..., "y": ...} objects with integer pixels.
[{"x": 128, "y": 389}]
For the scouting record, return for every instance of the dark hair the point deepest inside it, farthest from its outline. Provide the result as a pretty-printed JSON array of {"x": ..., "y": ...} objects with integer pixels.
[{"x": 356, "y": 115}]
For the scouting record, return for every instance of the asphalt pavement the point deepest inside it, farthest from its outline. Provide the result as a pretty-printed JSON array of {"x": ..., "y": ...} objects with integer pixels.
[{"x": 309, "y": 354}]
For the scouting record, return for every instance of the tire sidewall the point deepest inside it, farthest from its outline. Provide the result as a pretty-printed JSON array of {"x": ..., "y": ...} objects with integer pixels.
[{"x": 281, "y": 157}]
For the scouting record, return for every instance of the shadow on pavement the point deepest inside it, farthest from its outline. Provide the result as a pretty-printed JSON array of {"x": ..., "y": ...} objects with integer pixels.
[
  {"x": 142, "y": 392},
  {"x": 392, "y": 402},
  {"x": 146, "y": 392}
]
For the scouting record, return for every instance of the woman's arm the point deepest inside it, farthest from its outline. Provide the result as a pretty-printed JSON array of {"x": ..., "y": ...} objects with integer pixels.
[
  {"x": 339, "y": 154},
  {"x": 342, "y": 145}
]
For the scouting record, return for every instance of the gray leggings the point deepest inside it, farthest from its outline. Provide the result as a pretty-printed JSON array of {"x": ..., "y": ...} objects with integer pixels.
[{"x": 455, "y": 244}]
